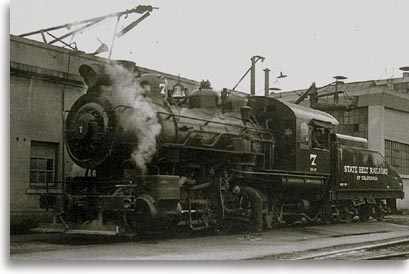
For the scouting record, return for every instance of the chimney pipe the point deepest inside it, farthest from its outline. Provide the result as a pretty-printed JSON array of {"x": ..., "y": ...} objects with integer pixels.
[
  {"x": 253, "y": 76},
  {"x": 405, "y": 72},
  {"x": 266, "y": 82}
]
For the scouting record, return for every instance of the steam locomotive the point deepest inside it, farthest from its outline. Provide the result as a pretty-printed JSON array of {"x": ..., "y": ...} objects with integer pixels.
[{"x": 209, "y": 160}]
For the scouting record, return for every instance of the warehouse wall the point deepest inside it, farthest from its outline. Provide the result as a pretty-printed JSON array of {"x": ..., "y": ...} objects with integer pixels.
[
  {"x": 397, "y": 125},
  {"x": 397, "y": 130},
  {"x": 376, "y": 125},
  {"x": 36, "y": 117}
]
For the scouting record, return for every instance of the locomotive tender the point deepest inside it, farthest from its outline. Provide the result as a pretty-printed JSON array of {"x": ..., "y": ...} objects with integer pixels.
[{"x": 219, "y": 160}]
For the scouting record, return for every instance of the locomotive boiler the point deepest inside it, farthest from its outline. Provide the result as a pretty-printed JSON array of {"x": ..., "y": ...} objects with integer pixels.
[{"x": 208, "y": 160}]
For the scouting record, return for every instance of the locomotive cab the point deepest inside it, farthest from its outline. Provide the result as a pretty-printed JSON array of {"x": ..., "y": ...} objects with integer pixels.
[{"x": 303, "y": 135}]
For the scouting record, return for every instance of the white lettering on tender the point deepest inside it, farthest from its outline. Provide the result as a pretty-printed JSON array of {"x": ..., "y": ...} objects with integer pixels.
[{"x": 365, "y": 171}]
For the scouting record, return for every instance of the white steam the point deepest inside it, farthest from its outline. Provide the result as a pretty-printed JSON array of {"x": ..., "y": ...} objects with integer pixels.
[{"x": 141, "y": 121}]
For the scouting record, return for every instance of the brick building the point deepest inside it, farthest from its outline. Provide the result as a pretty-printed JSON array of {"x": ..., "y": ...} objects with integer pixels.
[
  {"x": 44, "y": 83},
  {"x": 377, "y": 110}
]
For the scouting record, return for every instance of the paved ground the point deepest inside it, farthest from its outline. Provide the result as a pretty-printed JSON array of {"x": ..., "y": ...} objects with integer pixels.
[{"x": 231, "y": 247}]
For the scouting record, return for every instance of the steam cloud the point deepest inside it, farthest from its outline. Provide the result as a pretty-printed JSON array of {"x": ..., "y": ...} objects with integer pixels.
[{"x": 141, "y": 121}]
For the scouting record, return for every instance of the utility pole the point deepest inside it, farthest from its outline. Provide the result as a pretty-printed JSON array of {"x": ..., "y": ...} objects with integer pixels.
[{"x": 251, "y": 69}]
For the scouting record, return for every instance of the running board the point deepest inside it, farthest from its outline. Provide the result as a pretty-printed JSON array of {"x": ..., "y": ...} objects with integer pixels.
[{"x": 88, "y": 229}]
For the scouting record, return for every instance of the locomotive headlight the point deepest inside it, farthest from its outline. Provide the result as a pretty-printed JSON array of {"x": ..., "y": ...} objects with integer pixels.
[
  {"x": 127, "y": 203},
  {"x": 236, "y": 189}
]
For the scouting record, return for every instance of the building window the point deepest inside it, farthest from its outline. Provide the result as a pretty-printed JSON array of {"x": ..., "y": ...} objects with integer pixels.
[
  {"x": 43, "y": 164},
  {"x": 397, "y": 155},
  {"x": 352, "y": 122}
]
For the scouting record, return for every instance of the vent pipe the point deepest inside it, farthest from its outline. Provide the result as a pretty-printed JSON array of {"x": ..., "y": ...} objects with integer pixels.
[
  {"x": 338, "y": 80},
  {"x": 253, "y": 76},
  {"x": 405, "y": 72},
  {"x": 254, "y": 60},
  {"x": 266, "y": 82}
]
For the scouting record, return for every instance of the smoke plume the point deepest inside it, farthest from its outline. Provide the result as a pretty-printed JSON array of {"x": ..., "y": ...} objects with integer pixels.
[{"x": 140, "y": 120}]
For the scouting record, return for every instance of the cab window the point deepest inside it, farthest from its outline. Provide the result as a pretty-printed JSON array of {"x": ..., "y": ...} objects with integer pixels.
[{"x": 319, "y": 137}]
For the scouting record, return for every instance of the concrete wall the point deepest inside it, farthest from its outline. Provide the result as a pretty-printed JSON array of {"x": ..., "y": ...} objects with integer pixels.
[
  {"x": 35, "y": 115},
  {"x": 376, "y": 125},
  {"x": 65, "y": 63},
  {"x": 397, "y": 125},
  {"x": 397, "y": 129},
  {"x": 40, "y": 90}
]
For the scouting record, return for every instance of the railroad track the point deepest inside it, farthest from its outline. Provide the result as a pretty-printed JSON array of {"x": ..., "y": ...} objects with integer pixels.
[
  {"x": 372, "y": 251},
  {"x": 392, "y": 256}
]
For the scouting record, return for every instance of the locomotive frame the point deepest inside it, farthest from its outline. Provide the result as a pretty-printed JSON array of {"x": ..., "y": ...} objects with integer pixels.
[{"x": 222, "y": 161}]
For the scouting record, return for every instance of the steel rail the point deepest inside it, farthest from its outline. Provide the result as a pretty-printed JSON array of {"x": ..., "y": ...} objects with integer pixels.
[
  {"x": 334, "y": 253},
  {"x": 387, "y": 256}
]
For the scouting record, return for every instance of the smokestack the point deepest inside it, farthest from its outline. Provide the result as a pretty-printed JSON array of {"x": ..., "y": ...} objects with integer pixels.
[
  {"x": 253, "y": 76},
  {"x": 338, "y": 80},
  {"x": 266, "y": 82},
  {"x": 128, "y": 65},
  {"x": 405, "y": 72},
  {"x": 94, "y": 74}
]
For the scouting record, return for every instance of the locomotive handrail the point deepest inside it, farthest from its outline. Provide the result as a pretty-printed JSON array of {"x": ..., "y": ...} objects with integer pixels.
[
  {"x": 217, "y": 136},
  {"x": 182, "y": 146},
  {"x": 369, "y": 190},
  {"x": 209, "y": 121},
  {"x": 274, "y": 172},
  {"x": 206, "y": 122}
]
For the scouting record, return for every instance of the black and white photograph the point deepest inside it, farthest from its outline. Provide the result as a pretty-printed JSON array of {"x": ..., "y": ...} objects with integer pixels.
[{"x": 207, "y": 131}]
